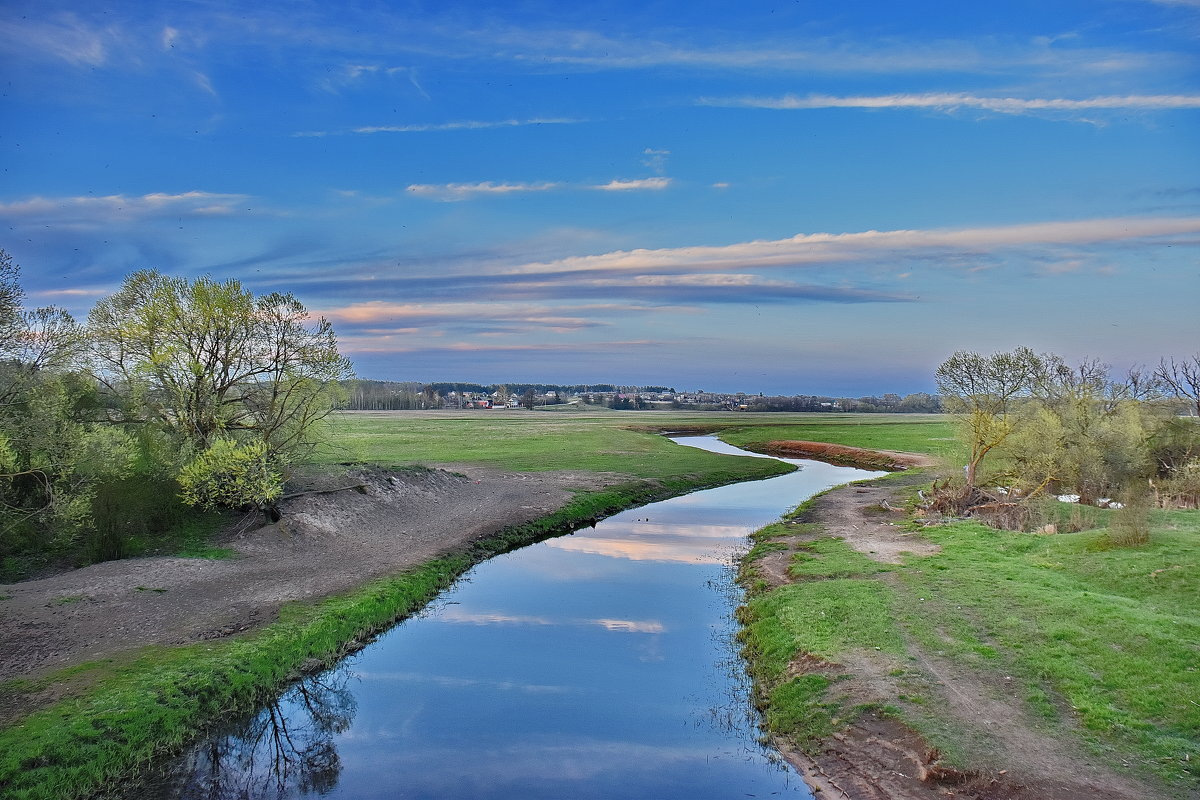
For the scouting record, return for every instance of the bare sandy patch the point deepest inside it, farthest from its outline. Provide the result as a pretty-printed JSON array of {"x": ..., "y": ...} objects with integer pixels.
[{"x": 327, "y": 542}]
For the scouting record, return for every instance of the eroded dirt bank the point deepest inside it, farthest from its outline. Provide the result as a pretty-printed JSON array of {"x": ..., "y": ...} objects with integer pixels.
[
  {"x": 890, "y": 460},
  {"x": 878, "y": 758},
  {"x": 327, "y": 542}
]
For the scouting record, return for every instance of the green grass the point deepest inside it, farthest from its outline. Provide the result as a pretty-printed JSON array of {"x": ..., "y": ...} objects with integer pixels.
[
  {"x": 1108, "y": 637},
  {"x": 822, "y": 618},
  {"x": 1101, "y": 641},
  {"x": 832, "y": 558},
  {"x": 602, "y": 441}
]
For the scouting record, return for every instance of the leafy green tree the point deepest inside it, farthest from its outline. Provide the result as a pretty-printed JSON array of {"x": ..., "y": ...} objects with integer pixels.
[
  {"x": 31, "y": 340},
  {"x": 207, "y": 359},
  {"x": 43, "y": 438},
  {"x": 984, "y": 392}
]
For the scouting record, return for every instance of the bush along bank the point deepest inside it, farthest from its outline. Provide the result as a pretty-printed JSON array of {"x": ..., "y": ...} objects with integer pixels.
[
  {"x": 1090, "y": 650},
  {"x": 167, "y": 697}
]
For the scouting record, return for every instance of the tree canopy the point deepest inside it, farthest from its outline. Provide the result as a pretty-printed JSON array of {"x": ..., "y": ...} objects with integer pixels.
[
  {"x": 204, "y": 359},
  {"x": 176, "y": 392},
  {"x": 982, "y": 391}
]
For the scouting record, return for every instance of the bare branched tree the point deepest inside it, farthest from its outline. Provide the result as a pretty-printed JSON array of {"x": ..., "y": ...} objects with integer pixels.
[{"x": 1182, "y": 378}]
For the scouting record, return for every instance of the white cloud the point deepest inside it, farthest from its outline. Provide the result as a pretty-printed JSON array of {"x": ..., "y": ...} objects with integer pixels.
[
  {"x": 451, "y": 192},
  {"x": 655, "y": 159},
  {"x": 634, "y": 185},
  {"x": 119, "y": 207},
  {"x": 949, "y": 101},
  {"x": 464, "y": 125},
  {"x": 64, "y": 37},
  {"x": 822, "y": 248},
  {"x": 830, "y": 54},
  {"x": 72, "y": 292},
  {"x": 376, "y": 311},
  {"x": 432, "y": 127}
]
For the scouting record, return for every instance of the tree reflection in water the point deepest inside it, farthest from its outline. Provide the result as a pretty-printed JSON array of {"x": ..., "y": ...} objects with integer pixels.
[{"x": 286, "y": 750}]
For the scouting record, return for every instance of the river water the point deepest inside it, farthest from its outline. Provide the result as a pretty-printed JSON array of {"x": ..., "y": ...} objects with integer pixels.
[{"x": 596, "y": 665}]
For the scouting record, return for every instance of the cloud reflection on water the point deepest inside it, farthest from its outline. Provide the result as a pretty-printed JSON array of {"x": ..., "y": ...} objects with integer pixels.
[
  {"x": 457, "y": 615},
  {"x": 696, "y": 544},
  {"x": 454, "y": 682}
]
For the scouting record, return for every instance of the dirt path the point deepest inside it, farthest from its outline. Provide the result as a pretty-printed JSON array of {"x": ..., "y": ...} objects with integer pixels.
[
  {"x": 326, "y": 543},
  {"x": 1017, "y": 757}
]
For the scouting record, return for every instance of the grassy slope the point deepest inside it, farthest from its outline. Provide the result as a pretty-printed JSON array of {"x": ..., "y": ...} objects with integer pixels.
[{"x": 1104, "y": 642}]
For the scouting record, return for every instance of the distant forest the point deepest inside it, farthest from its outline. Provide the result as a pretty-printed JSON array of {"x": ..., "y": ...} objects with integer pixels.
[{"x": 369, "y": 395}]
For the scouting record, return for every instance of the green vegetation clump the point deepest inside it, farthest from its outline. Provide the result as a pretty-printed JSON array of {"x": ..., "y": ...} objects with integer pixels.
[{"x": 169, "y": 376}]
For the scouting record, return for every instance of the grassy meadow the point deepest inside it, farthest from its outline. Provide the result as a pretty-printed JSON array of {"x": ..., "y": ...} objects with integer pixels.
[
  {"x": 1102, "y": 642},
  {"x": 601, "y": 440}
]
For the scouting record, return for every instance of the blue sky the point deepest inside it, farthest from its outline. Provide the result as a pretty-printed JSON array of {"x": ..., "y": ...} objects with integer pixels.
[{"x": 790, "y": 197}]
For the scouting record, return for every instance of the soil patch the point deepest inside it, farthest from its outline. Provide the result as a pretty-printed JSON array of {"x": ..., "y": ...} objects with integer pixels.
[
  {"x": 890, "y": 460},
  {"x": 867, "y": 517},
  {"x": 328, "y": 541}
]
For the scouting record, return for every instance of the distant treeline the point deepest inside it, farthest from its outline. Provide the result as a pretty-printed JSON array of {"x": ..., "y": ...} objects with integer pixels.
[
  {"x": 918, "y": 403},
  {"x": 369, "y": 395}
]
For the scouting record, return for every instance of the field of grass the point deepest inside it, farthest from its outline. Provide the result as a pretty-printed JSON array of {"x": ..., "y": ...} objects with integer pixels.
[
  {"x": 606, "y": 441},
  {"x": 1102, "y": 643}
]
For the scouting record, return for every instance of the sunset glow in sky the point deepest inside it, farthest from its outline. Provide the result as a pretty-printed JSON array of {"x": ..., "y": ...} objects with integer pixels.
[{"x": 787, "y": 197}]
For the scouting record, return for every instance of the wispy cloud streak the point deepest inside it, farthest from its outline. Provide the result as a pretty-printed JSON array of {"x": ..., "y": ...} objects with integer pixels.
[
  {"x": 638, "y": 184},
  {"x": 950, "y": 101},
  {"x": 458, "y": 125},
  {"x": 117, "y": 207},
  {"x": 817, "y": 248},
  {"x": 450, "y": 192}
]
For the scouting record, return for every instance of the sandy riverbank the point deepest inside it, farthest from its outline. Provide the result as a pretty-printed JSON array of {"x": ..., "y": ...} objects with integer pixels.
[{"x": 326, "y": 543}]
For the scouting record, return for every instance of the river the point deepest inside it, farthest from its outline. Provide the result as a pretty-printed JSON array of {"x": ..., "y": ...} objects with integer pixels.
[{"x": 596, "y": 665}]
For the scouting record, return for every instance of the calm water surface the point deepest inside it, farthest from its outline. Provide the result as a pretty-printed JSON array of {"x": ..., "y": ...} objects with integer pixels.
[{"x": 596, "y": 665}]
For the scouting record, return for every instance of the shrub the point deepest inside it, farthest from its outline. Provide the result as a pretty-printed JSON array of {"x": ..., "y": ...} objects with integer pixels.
[{"x": 231, "y": 475}]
